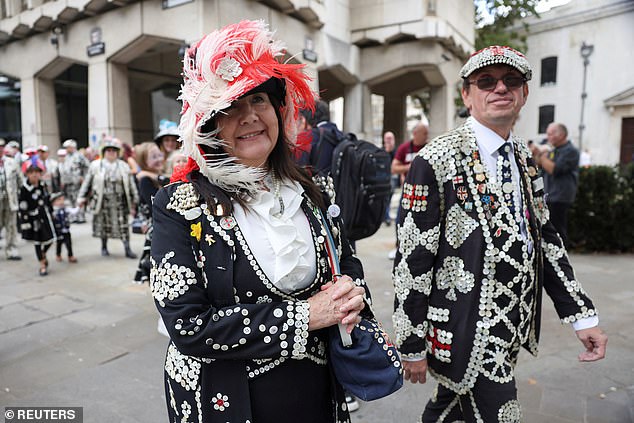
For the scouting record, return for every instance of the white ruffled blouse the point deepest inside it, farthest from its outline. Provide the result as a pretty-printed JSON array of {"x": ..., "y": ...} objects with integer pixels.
[{"x": 282, "y": 245}]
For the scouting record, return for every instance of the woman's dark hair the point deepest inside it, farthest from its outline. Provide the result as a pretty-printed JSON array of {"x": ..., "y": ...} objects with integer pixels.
[{"x": 280, "y": 162}]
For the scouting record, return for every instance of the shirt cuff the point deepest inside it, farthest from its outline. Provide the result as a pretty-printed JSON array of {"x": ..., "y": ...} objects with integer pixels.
[{"x": 588, "y": 322}]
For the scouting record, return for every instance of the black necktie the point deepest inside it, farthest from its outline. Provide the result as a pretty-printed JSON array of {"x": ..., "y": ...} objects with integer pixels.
[{"x": 507, "y": 179}]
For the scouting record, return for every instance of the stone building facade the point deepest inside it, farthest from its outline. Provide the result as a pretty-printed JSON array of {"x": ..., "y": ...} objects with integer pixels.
[
  {"x": 85, "y": 68},
  {"x": 602, "y": 30}
]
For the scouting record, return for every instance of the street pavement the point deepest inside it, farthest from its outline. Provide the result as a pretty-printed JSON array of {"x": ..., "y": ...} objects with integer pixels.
[{"x": 86, "y": 336}]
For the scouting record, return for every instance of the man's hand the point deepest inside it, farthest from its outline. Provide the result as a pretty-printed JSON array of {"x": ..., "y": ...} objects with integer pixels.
[
  {"x": 415, "y": 371},
  {"x": 595, "y": 341}
]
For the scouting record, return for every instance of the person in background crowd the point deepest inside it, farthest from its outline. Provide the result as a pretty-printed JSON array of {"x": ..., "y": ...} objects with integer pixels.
[
  {"x": 167, "y": 138},
  {"x": 561, "y": 175},
  {"x": 176, "y": 161},
  {"x": 72, "y": 172},
  {"x": 389, "y": 145},
  {"x": 34, "y": 214},
  {"x": 239, "y": 269},
  {"x": 89, "y": 154},
  {"x": 403, "y": 159},
  {"x": 149, "y": 180},
  {"x": 408, "y": 150},
  {"x": 129, "y": 156},
  {"x": 113, "y": 194},
  {"x": 28, "y": 153},
  {"x": 12, "y": 149},
  {"x": 61, "y": 156},
  {"x": 476, "y": 247},
  {"x": 321, "y": 129},
  {"x": 62, "y": 227},
  {"x": 50, "y": 168},
  {"x": 10, "y": 184}
]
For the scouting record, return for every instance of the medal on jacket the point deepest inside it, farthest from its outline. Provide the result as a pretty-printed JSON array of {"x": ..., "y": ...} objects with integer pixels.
[
  {"x": 227, "y": 222},
  {"x": 334, "y": 210}
]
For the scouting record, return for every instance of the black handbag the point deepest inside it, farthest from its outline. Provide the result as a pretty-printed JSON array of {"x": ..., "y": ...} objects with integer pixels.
[
  {"x": 138, "y": 225},
  {"x": 366, "y": 363}
]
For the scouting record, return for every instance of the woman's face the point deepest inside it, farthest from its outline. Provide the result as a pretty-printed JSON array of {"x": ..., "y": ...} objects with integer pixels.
[
  {"x": 155, "y": 159},
  {"x": 250, "y": 129},
  {"x": 169, "y": 143},
  {"x": 110, "y": 154},
  {"x": 34, "y": 177}
]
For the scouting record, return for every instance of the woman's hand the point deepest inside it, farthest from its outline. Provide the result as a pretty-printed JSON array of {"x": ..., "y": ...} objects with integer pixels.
[{"x": 340, "y": 302}]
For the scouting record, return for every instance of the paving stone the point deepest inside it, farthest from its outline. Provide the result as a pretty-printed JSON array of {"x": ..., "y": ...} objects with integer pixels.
[
  {"x": 20, "y": 315},
  {"x": 566, "y": 404},
  {"x": 18, "y": 343},
  {"x": 56, "y": 304},
  {"x": 607, "y": 411}
]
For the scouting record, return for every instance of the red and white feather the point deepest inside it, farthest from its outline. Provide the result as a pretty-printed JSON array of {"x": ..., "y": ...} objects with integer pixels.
[{"x": 217, "y": 70}]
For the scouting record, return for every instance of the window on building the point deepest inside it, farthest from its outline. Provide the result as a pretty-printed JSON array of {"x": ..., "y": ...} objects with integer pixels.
[
  {"x": 549, "y": 70},
  {"x": 546, "y": 117}
]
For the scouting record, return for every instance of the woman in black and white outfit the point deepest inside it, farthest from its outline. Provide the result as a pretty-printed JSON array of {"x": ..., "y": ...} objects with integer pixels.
[
  {"x": 113, "y": 195},
  {"x": 240, "y": 269}
]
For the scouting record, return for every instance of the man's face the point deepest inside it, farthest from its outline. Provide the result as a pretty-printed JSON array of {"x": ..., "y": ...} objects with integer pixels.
[
  {"x": 500, "y": 106},
  {"x": 43, "y": 155},
  {"x": 419, "y": 135},
  {"x": 388, "y": 141},
  {"x": 555, "y": 135}
]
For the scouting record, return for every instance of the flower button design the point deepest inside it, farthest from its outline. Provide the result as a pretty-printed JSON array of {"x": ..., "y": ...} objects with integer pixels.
[
  {"x": 229, "y": 69},
  {"x": 220, "y": 402},
  {"x": 196, "y": 230}
]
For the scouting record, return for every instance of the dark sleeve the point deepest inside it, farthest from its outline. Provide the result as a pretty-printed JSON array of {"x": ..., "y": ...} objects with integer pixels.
[
  {"x": 147, "y": 190},
  {"x": 23, "y": 212},
  {"x": 418, "y": 238},
  {"x": 566, "y": 161},
  {"x": 183, "y": 278},
  {"x": 401, "y": 152}
]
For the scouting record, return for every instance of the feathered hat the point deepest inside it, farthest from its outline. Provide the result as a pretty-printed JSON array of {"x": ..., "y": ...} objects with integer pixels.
[
  {"x": 32, "y": 163},
  {"x": 219, "y": 69}
]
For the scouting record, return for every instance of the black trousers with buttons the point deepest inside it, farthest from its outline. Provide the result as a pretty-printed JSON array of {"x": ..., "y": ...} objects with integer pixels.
[{"x": 487, "y": 402}]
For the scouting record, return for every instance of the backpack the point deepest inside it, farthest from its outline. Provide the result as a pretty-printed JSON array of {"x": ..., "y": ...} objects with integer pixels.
[{"x": 361, "y": 174}]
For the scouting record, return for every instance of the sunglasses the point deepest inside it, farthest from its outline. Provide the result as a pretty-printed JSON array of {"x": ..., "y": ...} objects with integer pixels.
[{"x": 488, "y": 83}]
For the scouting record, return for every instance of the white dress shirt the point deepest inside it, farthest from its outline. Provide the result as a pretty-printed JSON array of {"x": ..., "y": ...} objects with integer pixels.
[{"x": 282, "y": 245}]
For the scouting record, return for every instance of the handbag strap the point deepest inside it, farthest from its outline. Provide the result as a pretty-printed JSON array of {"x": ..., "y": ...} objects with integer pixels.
[{"x": 333, "y": 258}]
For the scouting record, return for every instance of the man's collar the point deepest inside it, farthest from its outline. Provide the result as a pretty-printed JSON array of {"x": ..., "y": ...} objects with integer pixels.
[{"x": 488, "y": 140}]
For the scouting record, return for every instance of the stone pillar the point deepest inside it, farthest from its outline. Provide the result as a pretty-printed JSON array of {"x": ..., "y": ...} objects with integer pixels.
[
  {"x": 98, "y": 110},
  {"x": 108, "y": 102},
  {"x": 357, "y": 111},
  {"x": 120, "y": 116},
  {"x": 394, "y": 109},
  {"x": 39, "y": 114},
  {"x": 442, "y": 110}
]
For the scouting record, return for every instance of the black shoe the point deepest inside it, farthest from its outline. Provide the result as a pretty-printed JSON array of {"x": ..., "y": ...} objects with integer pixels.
[
  {"x": 14, "y": 258},
  {"x": 130, "y": 254},
  {"x": 104, "y": 252},
  {"x": 43, "y": 271}
]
